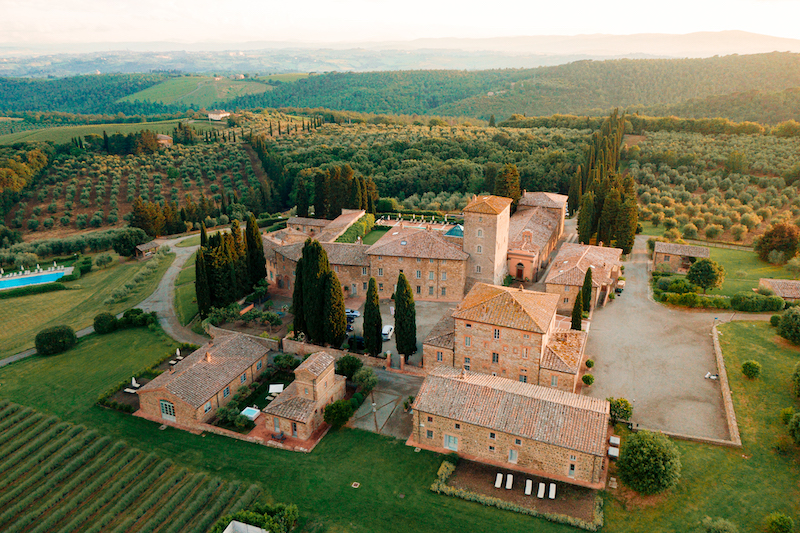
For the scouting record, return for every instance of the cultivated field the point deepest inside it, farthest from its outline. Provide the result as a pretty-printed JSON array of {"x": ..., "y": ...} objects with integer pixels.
[
  {"x": 63, "y": 134},
  {"x": 197, "y": 90},
  {"x": 61, "y": 478}
]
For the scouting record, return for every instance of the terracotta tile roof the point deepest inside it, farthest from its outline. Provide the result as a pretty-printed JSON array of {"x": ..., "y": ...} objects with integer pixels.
[
  {"x": 340, "y": 224},
  {"x": 564, "y": 352},
  {"x": 544, "y": 199},
  {"x": 492, "y": 205},
  {"x": 288, "y": 235},
  {"x": 303, "y": 221},
  {"x": 198, "y": 378},
  {"x": 531, "y": 229},
  {"x": 443, "y": 333},
  {"x": 785, "y": 288},
  {"x": 570, "y": 265},
  {"x": 681, "y": 249},
  {"x": 289, "y": 404},
  {"x": 416, "y": 242},
  {"x": 148, "y": 246},
  {"x": 339, "y": 253},
  {"x": 539, "y": 413},
  {"x": 316, "y": 363},
  {"x": 508, "y": 307}
]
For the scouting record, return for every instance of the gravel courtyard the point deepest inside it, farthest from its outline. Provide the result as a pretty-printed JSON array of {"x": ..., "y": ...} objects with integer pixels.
[{"x": 657, "y": 358}]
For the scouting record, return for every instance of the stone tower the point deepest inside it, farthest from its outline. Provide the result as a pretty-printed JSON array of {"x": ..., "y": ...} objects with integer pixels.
[{"x": 486, "y": 220}]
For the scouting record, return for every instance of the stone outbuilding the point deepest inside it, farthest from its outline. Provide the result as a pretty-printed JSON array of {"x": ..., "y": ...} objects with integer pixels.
[
  {"x": 146, "y": 250},
  {"x": 568, "y": 271},
  {"x": 535, "y": 430},
  {"x": 679, "y": 257},
  {"x": 788, "y": 289}
]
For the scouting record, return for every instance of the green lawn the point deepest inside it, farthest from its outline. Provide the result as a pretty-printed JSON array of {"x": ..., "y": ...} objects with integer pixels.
[
  {"x": 739, "y": 261},
  {"x": 63, "y": 134},
  {"x": 67, "y": 385},
  {"x": 21, "y": 318},
  {"x": 185, "y": 296},
  {"x": 198, "y": 90},
  {"x": 373, "y": 236},
  {"x": 187, "y": 274},
  {"x": 740, "y": 485}
]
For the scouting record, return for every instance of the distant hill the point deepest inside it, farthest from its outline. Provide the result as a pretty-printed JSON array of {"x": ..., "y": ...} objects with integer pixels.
[{"x": 197, "y": 91}]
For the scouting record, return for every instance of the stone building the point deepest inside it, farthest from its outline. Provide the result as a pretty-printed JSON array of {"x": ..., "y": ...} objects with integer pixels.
[
  {"x": 193, "y": 389},
  {"x": 788, "y": 289},
  {"x": 679, "y": 257},
  {"x": 568, "y": 271},
  {"x": 486, "y": 221},
  {"x": 298, "y": 411},
  {"x": 507, "y": 332},
  {"x": 519, "y": 426}
]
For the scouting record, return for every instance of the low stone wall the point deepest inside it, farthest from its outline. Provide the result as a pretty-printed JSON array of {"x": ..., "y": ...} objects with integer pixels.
[
  {"x": 727, "y": 400},
  {"x": 272, "y": 344},
  {"x": 304, "y": 348}
]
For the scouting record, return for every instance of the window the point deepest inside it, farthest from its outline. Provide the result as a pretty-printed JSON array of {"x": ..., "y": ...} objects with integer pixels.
[
  {"x": 480, "y": 233},
  {"x": 518, "y": 442},
  {"x": 419, "y": 289},
  {"x": 444, "y": 291},
  {"x": 336, "y": 268},
  {"x": 380, "y": 258},
  {"x": 363, "y": 271},
  {"x": 480, "y": 219},
  {"x": 258, "y": 365},
  {"x": 364, "y": 285},
  {"x": 492, "y": 435},
  {"x": 477, "y": 269},
  {"x": 566, "y": 289},
  {"x": 496, "y": 334},
  {"x": 491, "y": 448},
  {"x": 380, "y": 272},
  {"x": 430, "y": 419},
  {"x": 167, "y": 410},
  {"x": 419, "y": 260},
  {"x": 444, "y": 276},
  {"x": 431, "y": 261},
  {"x": 276, "y": 424},
  {"x": 666, "y": 257},
  {"x": 243, "y": 378},
  {"x": 430, "y": 434},
  {"x": 458, "y": 426},
  {"x": 451, "y": 443},
  {"x": 512, "y": 456},
  {"x": 294, "y": 429},
  {"x": 419, "y": 274},
  {"x": 526, "y": 336},
  {"x": 524, "y": 353},
  {"x": 207, "y": 408},
  {"x": 554, "y": 381},
  {"x": 467, "y": 341},
  {"x": 466, "y": 363},
  {"x": 439, "y": 356},
  {"x": 573, "y": 458},
  {"x": 523, "y": 378},
  {"x": 495, "y": 357},
  {"x": 566, "y": 300},
  {"x": 271, "y": 275},
  {"x": 226, "y": 392},
  {"x": 430, "y": 291},
  {"x": 380, "y": 286},
  {"x": 306, "y": 388},
  {"x": 469, "y": 325},
  {"x": 479, "y": 249},
  {"x": 430, "y": 274}
]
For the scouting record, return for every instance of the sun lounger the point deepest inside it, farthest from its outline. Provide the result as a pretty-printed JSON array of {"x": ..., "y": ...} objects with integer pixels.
[
  {"x": 130, "y": 391},
  {"x": 552, "y": 491},
  {"x": 614, "y": 440},
  {"x": 540, "y": 494},
  {"x": 613, "y": 452},
  {"x": 509, "y": 482},
  {"x": 173, "y": 362},
  {"x": 528, "y": 487},
  {"x": 498, "y": 481}
]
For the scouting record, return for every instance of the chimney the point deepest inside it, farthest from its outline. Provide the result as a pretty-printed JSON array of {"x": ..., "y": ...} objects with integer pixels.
[
  {"x": 207, "y": 357},
  {"x": 172, "y": 369},
  {"x": 520, "y": 287},
  {"x": 463, "y": 374}
]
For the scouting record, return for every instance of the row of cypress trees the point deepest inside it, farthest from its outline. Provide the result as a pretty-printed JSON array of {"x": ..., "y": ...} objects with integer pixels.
[
  {"x": 334, "y": 188},
  {"x": 228, "y": 265}
]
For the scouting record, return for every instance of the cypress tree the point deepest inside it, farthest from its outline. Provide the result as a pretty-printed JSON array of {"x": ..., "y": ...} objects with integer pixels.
[
  {"x": 335, "y": 320},
  {"x": 405, "y": 318},
  {"x": 321, "y": 201},
  {"x": 256, "y": 261},
  {"x": 491, "y": 122},
  {"x": 373, "y": 342},
  {"x": 355, "y": 197},
  {"x": 301, "y": 196},
  {"x": 201, "y": 287},
  {"x": 203, "y": 236},
  {"x": 608, "y": 218},
  {"x": 585, "y": 218},
  {"x": 586, "y": 290},
  {"x": 627, "y": 220},
  {"x": 315, "y": 267},
  {"x": 575, "y": 192},
  {"x": 364, "y": 194},
  {"x": 507, "y": 183},
  {"x": 297, "y": 298},
  {"x": 577, "y": 312}
]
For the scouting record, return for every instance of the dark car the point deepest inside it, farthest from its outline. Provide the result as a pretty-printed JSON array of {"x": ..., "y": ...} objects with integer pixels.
[
  {"x": 349, "y": 328},
  {"x": 357, "y": 342}
]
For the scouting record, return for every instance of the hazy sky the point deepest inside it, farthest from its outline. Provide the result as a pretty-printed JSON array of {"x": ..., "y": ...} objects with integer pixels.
[{"x": 52, "y": 21}]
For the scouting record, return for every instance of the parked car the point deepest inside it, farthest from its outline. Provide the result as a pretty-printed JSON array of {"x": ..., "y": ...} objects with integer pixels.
[
  {"x": 350, "y": 319},
  {"x": 387, "y": 332},
  {"x": 349, "y": 328},
  {"x": 352, "y": 313}
]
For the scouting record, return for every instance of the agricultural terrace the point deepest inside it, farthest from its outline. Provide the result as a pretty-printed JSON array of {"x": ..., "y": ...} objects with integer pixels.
[
  {"x": 97, "y": 190},
  {"x": 21, "y": 318},
  {"x": 63, "y": 134},
  {"x": 198, "y": 91},
  {"x": 58, "y": 477},
  {"x": 717, "y": 187}
]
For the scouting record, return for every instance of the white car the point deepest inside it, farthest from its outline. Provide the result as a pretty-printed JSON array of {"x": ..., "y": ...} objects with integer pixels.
[
  {"x": 352, "y": 313},
  {"x": 387, "y": 332}
]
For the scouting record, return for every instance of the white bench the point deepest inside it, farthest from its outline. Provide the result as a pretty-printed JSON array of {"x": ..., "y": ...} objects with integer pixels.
[
  {"x": 509, "y": 482},
  {"x": 498, "y": 481},
  {"x": 542, "y": 488},
  {"x": 552, "y": 491},
  {"x": 528, "y": 487}
]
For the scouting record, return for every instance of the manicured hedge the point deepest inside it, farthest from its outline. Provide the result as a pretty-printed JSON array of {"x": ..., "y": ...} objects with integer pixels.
[
  {"x": 756, "y": 303},
  {"x": 33, "y": 289},
  {"x": 55, "y": 340},
  {"x": 105, "y": 323}
]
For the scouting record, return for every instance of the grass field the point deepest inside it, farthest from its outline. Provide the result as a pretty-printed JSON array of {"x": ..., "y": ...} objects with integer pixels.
[
  {"x": 373, "y": 236},
  {"x": 198, "y": 90},
  {"x": 63, "y": 134},
  {"x": 21, "y": 318},
  {"x": 738, "y": 262},
  {"x": 289, "y": 77},
  {"x": 185, "y": 297}
]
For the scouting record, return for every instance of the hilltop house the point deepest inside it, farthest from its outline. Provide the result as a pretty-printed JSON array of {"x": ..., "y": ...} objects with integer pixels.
[
  {"x": 568, "y": 271},
  {"x": 218, "y": 114},
  {"x": 679, "y": 257},
  {"x": 507, "y": 332},
  {"x": 536, "y": 430}
]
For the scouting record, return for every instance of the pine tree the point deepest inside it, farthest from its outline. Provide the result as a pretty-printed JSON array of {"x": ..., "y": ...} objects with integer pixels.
[
  {"x": 373, "y": 342},
  {"x": 297, "y": 299},
  {"x": 203, "y": 235},
  {"x": 301, "y": 196},
  {"x": 491, "y": 122},
  {"x": 608, "y": 219},
  {"x": 627, "y": 221},
  {"x": 335, "y": 321},
  {"x": 585, "y": 218},
  {"x": 364, "y": 194},
  {"x": 315, "y": 267},
  {"x": 405, "y": 317},
  {"x": 256, "y": 261},
  {"x": 577, "y": 312},
  {"x": 586, "y": 290},
  {"x": 201, "y": 287}
]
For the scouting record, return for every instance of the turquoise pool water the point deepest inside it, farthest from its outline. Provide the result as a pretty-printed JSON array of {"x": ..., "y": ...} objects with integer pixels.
[{"x": 9, "y": 283}]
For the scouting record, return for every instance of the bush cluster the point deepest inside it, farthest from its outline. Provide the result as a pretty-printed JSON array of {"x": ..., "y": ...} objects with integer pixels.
[
  {"x": 756, "y": 303},
  {"x": 32, "y": 289},
  {"x": 106, "y": 322},
  {"x": 360, "y": 228},
  {"x": 338, "y": 413},
  {"x": 649, "y": 463},
  {"x": 55, "y": 340},
  {"x": 751, "y": 369}
]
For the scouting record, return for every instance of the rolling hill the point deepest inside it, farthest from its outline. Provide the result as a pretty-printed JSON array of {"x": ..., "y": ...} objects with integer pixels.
[{"x": 197, "y": 91}]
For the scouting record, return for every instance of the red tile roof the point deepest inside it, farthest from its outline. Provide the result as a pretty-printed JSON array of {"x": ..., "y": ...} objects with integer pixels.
[
  {"x": 490, "y": 205},
  {"x": 564, "y": 352},
  {"x": 508, "y": 307},
  {"x": 573, "y": 260},
  {"x": 687, "y": 250},
  {"x": 544, "y": 199},
  {"x": 443, "y": 333},
  {"x": 417, "y": 242},
  {"x": 785, "y": 288}
]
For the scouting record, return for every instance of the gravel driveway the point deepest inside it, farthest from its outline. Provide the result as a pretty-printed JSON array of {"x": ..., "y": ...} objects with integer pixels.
[{"x": 657, "y": 358}]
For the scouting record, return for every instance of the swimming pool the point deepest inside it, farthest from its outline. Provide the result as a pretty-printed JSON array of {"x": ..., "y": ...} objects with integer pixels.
[
  {"x": 251, "y": 412},
  {"x": 36, "y": 279}
]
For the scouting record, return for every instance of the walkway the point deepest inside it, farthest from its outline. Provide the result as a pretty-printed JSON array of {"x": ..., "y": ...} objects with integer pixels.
[{"x": 382, "y": 411}]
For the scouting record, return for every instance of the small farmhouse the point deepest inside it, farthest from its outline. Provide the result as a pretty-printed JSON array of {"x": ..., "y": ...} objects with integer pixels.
[
  {"x": 502, "y": 422},
  {"x": 568, "y": 271},
  {"x": 146, "y": 250},
  {"x": 788, "y": 289},
  {"x": 218, "y": 114},
  {"x": 679, "y": 257}
]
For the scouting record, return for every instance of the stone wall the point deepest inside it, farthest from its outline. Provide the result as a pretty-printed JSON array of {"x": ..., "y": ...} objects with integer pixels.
[
  {"x": 675, "y": 261},
  {"x": 430, "y": 357},
  {"x": 303, "y": 349},
  {"x": 490, "y": 233},
  {"x": 567, "y": 295},
  {"x": 513, "y": 360},
  {"x": 727, "y": 401},
  {"x": 386, "y": 269}
]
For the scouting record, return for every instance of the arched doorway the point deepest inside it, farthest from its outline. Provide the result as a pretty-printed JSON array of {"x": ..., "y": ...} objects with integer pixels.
[{"x": 520, "y": 271}]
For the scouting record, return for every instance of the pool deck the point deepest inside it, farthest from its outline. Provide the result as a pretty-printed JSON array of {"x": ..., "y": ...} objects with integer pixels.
[{"x": 31, "y": 276}]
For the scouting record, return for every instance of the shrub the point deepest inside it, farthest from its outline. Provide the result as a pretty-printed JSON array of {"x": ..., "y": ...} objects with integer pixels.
[
  {"x": 738, "y": 231},
  {"x": 751, "y": 369},
  {"x": 719, "y": 525},
  {"x": 649, "y": 463},
  {"x": 775, "y": 320},
  {"x": 55, "y": 340},
  {"x": 348, "y": 365},
  {"x": 794, "y": 427},
  {"x": 621, "y": 409},
  {"x": 755, "y": 303},
  {"x": 779, "y": 523},
  {"x": 680, "y": 286},
  {"x": 589, "y": 363},
  {"x": 789, "y": 325},
  {"x": 776, "y": 257},
  {"x": 786, "y": 415},
  {"x": 365, "y": 378},
  {"x": 689, "y": 231},
  {"x": 796, "y": 380},
  {"x": 712, "y": 231},
  {"x": 672, "y": 234},
  {"x": 587, "y": 379},
  {"x": 338, "y": 413},
  {"x": 32, "y": 289},
  {"x": 781, "y": 237},
  {"x": 105, "y": 323}
]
